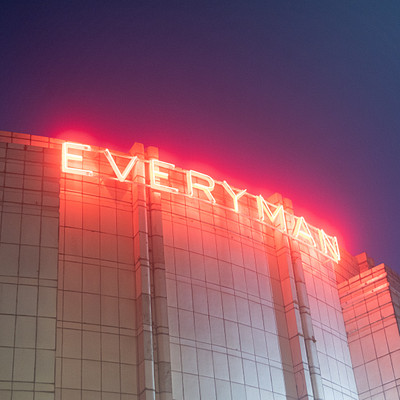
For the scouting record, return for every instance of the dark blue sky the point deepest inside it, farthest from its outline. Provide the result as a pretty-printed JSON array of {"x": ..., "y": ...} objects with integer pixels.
[{"x": 299, "y": 97}]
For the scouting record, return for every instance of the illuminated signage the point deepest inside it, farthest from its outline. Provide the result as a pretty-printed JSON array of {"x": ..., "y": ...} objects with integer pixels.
[{"x": 201, "y": 186}]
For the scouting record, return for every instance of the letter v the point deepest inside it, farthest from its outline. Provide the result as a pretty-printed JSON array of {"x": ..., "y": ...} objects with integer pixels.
[{"x": 121, "y": 177}]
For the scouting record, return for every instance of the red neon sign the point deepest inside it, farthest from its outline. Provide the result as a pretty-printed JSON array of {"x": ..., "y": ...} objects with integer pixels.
[{"x": 201, "y": 186}]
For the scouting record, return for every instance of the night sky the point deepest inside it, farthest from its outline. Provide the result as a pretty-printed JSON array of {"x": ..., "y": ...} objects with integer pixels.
[{"x": 296, "y": 97}]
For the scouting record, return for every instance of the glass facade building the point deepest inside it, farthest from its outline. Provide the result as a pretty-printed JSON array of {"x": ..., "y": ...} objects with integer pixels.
[{"x": 111, "y": 289}]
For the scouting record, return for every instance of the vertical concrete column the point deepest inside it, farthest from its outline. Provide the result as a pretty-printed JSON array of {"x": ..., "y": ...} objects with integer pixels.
[
  {"x": 159, "y": 296},
  {"x": 143, "y": 280},
  {"x": 292, "y": 313},
  {"x": 305, "y": 313}
]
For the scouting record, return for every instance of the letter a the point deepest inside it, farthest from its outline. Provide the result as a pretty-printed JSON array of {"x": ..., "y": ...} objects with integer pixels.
[{"x": 301, "y": 229}]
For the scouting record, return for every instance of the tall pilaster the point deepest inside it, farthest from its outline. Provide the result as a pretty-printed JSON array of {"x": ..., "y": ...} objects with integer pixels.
[
  {"x": 292, "y": 313},
  {"x": 147, "y": 388},
  {"x": 159, "y": 295}
]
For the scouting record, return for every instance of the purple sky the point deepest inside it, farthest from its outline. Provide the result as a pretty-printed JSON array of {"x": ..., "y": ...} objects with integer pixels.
[{"x": 299, "y": 97}]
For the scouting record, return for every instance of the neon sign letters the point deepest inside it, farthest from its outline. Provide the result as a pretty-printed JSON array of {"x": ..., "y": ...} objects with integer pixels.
[{"x": 200, "y": 185}]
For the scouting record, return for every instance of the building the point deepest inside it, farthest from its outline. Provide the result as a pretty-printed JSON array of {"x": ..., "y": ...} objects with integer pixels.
[{"x": 125, "y": 277}]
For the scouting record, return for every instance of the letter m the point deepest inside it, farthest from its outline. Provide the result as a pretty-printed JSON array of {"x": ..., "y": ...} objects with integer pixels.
[{"x": 276, "y": 217}]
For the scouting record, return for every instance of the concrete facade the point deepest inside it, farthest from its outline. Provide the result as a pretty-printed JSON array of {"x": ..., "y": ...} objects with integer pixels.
[
  {"x": 113, "y": 290},
  {"x": 370, "y": 302}
]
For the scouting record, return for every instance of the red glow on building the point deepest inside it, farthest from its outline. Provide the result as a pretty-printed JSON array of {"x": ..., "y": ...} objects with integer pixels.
[{"x": 165, "y": 277}]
